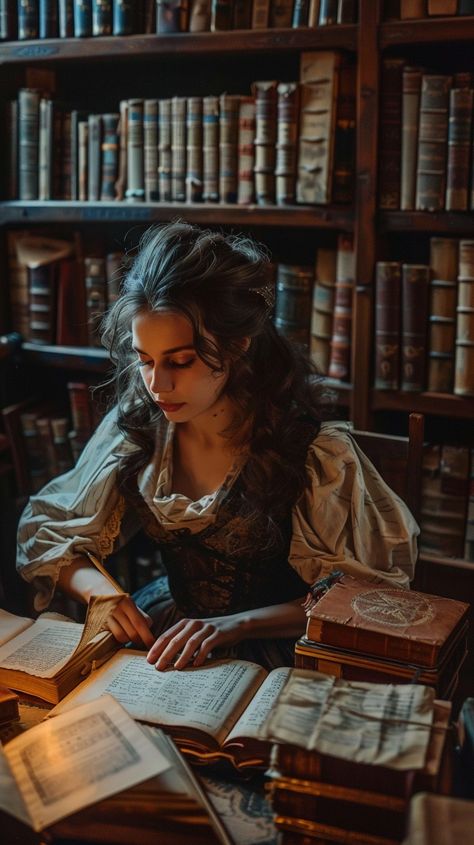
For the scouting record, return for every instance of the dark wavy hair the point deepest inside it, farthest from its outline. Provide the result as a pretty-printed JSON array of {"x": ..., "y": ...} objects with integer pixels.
[{"x": 214, "y": 281}]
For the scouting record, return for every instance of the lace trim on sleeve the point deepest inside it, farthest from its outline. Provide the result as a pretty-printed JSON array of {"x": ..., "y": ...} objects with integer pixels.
[{"x": 111, "y": 529}]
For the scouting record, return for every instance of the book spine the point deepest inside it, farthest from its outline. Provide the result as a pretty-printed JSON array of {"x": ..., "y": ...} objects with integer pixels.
[
  {"x": 101, "y": 17},
  {"x": 390, "y": 133},
  {"x": 228, "y": 147},
  {"x": 83, "y": 159},
  {"x": 71, "y": 318},
  {"x": 286, "y": 142},
  {"x": 66, "y": 18},
  {"x": 313, "y": 13},
  {"x": 46, "y": 443},
  {"x": 96, "y": 297},
  {"x": 194, "y": 149},
  {"x": 319, "y": 76},
  {"x": 82, "y": 18},
  {"x": 210, "y": 106},
  {"x": 42, "y": 300},
  {"x": 265, "y": 138},
  {"x": 200, "y": 16},
  {"x": 412, "y": 9},
  {"x": 221, "y": 15},
  {"x": 164, "y": 135},
  {"x": 293, "y": 302},
  {"x": 375, "y": 642},
  {"x": 109, "y": 156},
  {"x": 18, "y": 288},
  {"x": 432, "y": 143},
  {"x": 281, "y": 14},
  {"x": 246, "y": 154},
  {"x": 242, "y": 10},
  {"x": 300, "y": 14},
  {"x": 442, "y": 310},
  {"x": 81, "y": 410},
  {"x": 343, "y": 177},
  {"x": 135, "y": 165},
  {"x": 150, "y": 140},
  {"x": 45, "y": 149},
  {"x": 459, "y": 149},
  {"x": 8, "y": 20},
  {"x": 48, "y": 19},
  {"x": 62, "y": 449},
  {"x": 28, "y": 133},
  {"x": 121, "y": 183},
  {"x": 327, "y": 12},
  {"x": 114, "y": 271},
  {"x": 323, "y": 308},
  {"x": 94, "y": 157},
  {"x": 28, "y": 24},
  {"x": 442, "y": 7},
  {"x": 65, "y": 187},
  {"x": 260, "y": 14},
  {"x": 171, "y": 15},
  {"x": 147, "y": 21},
  {"x": 74, "y": 154},
  {"x": 178, "y": 149},
  {"x": 410, "y": 117},
  {"x": 122, "y": 17},
  {"x": 12, "y": 136},
  {"x": 347, "y": 11},
  {"x": 339, "y": 361},
  {"x": 387, "y": 325},
  {"x": 415, "y": 290}
]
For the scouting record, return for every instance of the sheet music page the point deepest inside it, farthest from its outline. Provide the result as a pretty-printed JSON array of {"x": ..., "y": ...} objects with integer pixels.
[
  {"x": 209, "y": 698},
  {"x": 43, "y": 648},
  {"x": 83, "y": 756},
  {"x": 382, "y": 724},
  {"x": 255, "y": 715},
  {"x": 11, "y": 625}
]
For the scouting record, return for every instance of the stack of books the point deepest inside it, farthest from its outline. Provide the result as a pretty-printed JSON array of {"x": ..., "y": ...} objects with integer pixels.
[{"x": 363, "y": 631}]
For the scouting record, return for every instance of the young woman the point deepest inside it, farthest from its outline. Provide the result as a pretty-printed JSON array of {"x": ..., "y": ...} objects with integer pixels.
[{"x": 216, "y": 446}]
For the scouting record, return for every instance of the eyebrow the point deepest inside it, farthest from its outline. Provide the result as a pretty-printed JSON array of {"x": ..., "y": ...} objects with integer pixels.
[{"x": 165, "y": 351}]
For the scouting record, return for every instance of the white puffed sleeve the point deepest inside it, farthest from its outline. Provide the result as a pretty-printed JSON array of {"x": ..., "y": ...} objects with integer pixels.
[
  {"x": 80, "y": 510},
  {"x": 348, "y": 518}
]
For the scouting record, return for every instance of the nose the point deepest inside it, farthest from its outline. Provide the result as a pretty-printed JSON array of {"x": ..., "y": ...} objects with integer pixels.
[{"x": 161, "y": 381}]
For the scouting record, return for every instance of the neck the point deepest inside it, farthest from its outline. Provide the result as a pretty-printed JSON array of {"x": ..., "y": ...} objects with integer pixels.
[{"x": 207, "y": 429}]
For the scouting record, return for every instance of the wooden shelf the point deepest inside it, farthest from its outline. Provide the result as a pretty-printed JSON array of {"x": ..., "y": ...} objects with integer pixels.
[
  {"x": 95, "y": 360},
  {"x": 426, "y": 31},
  {"x": 179, "y": 44},
  {"x": 453, "y": 562},
  {"x": 450, "y": 222},
  {"x": 314, "y": 217},
  {"x": 437, "y": 404}
]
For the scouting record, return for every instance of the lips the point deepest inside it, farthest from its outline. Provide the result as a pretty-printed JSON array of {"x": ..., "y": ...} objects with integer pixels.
[{"x": 170, "y": 407}]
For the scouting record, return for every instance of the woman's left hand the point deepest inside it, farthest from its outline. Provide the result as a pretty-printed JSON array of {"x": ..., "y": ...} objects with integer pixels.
[{"x": 195, "y": 639}]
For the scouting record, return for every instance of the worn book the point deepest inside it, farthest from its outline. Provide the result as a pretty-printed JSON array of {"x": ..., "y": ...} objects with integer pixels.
[
  {"x": 47, "y": 657},
  {"x": 214, "y": 713},
  {"x": 386, "y": 621},
  {"x": 8, "y": 705},
  {"x": 93, "y": 774}
]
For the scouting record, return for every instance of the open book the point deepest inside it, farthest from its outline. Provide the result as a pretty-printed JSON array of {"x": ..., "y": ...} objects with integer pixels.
[
  {"x": 93, "y": 774},
  {"x": 47, "y": 657},
  {"x": 213, "y": 712}
]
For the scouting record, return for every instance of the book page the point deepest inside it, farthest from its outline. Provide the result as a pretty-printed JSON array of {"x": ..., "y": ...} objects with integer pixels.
[
  {"x": 379, "y": 724},
  {"x": 11, "y": 625},
  {"x": 255, "y": 714},
  {"x": 43, "y": 649},
  {"x": 98, "y": 611},
  {"x": 209, "y": 698},
  {"x": 83, "y": 756}
]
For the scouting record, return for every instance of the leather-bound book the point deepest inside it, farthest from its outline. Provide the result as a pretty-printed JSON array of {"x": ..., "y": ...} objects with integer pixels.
[
  {"x": 109, "y": 156},
  {"x": 135, "y": 153},
  {"x": 150, "y": 150},
  {"x": 265, "y": 93},
  {"x": 28, "y": 25},
  {"x": 82, "y": 18},
  {"x": 164, "y": 151},
  {"x": 194, "y": 149},
  {"x": 81, "y": 408},
  {"x": 246, "y": 151},
  {"x": 71, "y": 320},
  {"x": 387, "y": 324},
  {"x": 286, "y": 143},
  {"x": 294, "y": 287},
  {"x": 415, "y": 293},
  {"x": 18, "y": 285},
  {"x": 8, "y": 20},
  {"x": 344, "y": 144},
  {"x": 432, "y": 142},
  {"x": 210, "y": 148},
  {"x": 412, "y": 9},
  {"x": 28, "y": 134},
  {"x": 42, "y": 281},
  {"x": 221, "y": 15},
  {"x": 115, "y": 268},
  {"x": 172, "y": 15},
  {"x": 327, "y": 12},
  {"x": 323, "y": 308},
  {"x": 442, "y": 311},
  {"x": 82, "y": 159},
  {"x": 390, "y": 134},
  {"x": 442, "y": 7},
  {"x": 96, "y": 296},
  {"x": 178, "y": 149},
  {"x": 464, "y": 368},
  {"x": 241, "y": 15},
  {"x": 319, "y": 77},
  {"x": 313, "y": 13},
  {"x": 228, "y": 147},
  {"x": 459, "y": 149},
  {"x": 122, "y": 17},
  {"x": 260, "y": 14},
  {"x": 439, "y": 820},
  {"x": 300, "y": 14},
  {"x": 48, "y": 19},
  {"x": 46, "y": 148},
  {"x": 11, "y": 117},
  {"x": 340, "y": 355},
  {"x": 94, "y": 157},
  {"x": 281, "y": 14},
  {"x": 101, "y": 17},
  {"x": 410, "y": 119},
  {"x": 200, "y": 16}
]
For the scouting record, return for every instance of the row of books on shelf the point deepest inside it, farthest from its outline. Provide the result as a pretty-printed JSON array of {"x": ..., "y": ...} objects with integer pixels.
[
  {"x": 426, "y": 159},
  {"x": 447, "y": 503},
  {"x": 286, "y": 142},
  {"x": 424, "y": 321},
  {"x": 33, "y": 19},
  {"x": 413, "y": 9}
]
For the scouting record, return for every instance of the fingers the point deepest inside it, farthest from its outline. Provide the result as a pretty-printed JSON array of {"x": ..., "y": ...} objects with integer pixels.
[
  {"x": 129, "y": 623},
  {"x": 187, "y": 637}
]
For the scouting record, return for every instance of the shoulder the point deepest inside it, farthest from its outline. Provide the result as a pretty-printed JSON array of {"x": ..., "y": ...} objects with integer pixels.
[{"x": 332, "y": 442}]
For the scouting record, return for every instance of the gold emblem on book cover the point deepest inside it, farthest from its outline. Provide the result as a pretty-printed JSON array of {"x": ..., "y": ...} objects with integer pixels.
[{"x": 396, "y": 608}]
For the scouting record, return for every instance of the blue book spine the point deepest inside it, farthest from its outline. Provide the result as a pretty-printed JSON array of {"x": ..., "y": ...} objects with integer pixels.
[
  {"x": 123, "y": 17},
  {"x": 82, "y": 18},
  {"x": 27, "y": 20},
  {"x": 48, "y": 19}
]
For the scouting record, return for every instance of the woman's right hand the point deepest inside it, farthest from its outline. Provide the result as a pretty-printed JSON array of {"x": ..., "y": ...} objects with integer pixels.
[{"x": 128, "y": 623}]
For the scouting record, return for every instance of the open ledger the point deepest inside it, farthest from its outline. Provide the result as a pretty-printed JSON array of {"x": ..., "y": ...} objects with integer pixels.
[
  {"x": 213, "y": 712},
  {"x": 95, "y": 774},
  {"x": 47, "y": 657}
]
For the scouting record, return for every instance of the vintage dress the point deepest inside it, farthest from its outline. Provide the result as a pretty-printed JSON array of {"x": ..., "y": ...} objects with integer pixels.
[{"x": 346, "y": 518}]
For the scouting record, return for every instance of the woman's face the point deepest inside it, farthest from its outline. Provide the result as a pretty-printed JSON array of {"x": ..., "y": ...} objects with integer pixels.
[{"x": 176, "y": 378}]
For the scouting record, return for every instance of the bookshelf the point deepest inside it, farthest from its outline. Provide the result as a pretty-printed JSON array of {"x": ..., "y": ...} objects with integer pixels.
[{"x": 126, "y": 62}]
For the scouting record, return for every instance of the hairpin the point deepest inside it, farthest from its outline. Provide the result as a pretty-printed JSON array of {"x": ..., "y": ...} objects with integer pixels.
[{"x": 268, "y": 294}]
